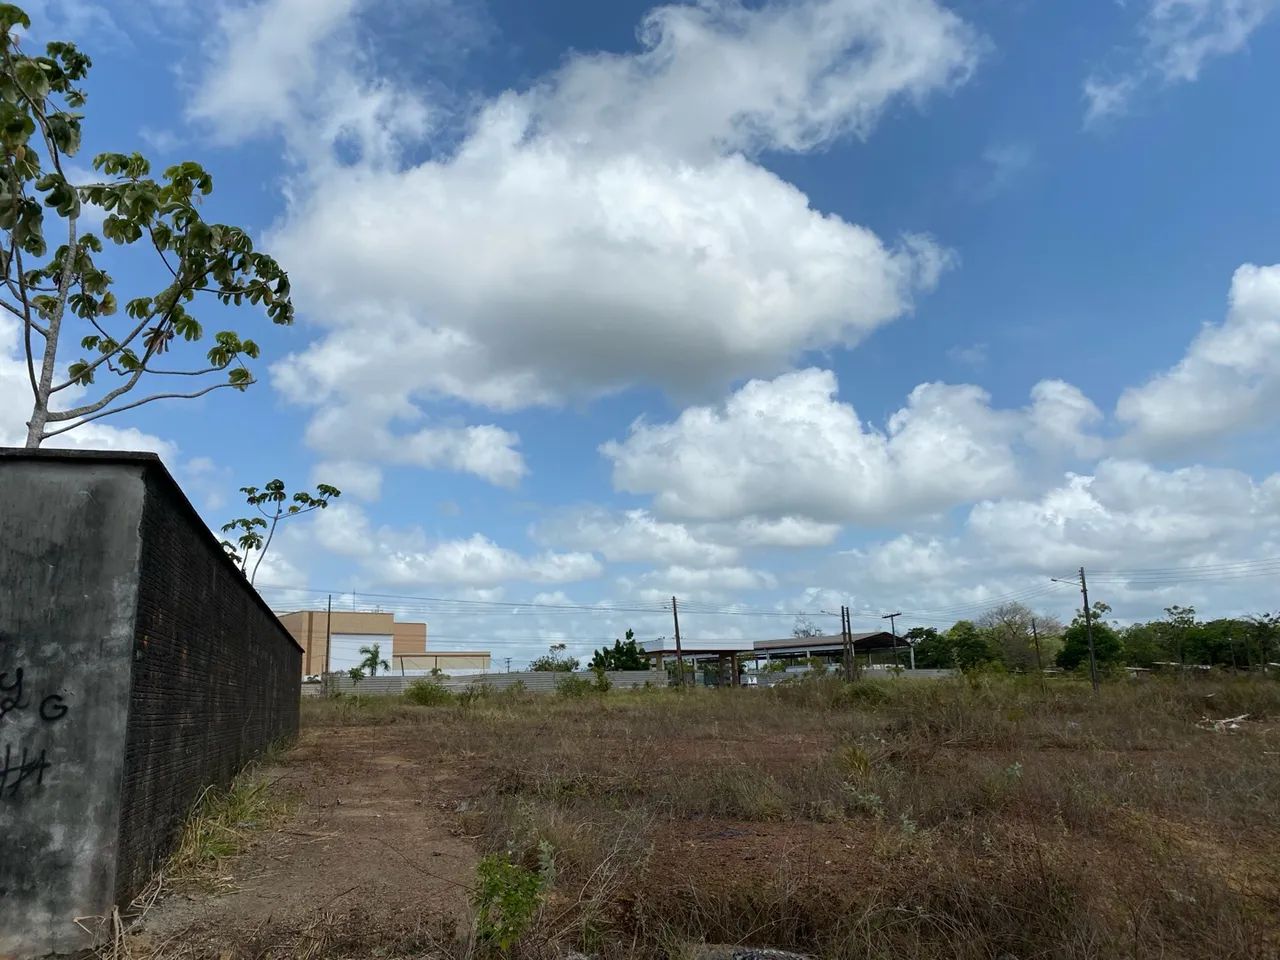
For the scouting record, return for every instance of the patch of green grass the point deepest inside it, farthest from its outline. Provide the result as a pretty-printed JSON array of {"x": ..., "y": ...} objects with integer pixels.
[{"x": 224, "y": 822}]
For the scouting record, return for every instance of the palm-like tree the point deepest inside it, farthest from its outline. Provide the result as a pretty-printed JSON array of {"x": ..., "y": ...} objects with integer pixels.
[{"x": 372, "y": 660}]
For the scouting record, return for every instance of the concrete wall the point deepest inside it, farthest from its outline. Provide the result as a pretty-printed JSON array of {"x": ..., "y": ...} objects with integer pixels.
[
  {"x": 535, "y": 681},
  {"x": 136, "y": 667},
  {"x": 69, "y": 552}
]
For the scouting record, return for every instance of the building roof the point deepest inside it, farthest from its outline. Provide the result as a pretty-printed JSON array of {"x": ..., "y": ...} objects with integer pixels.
[{"x": 875, "y": 640}]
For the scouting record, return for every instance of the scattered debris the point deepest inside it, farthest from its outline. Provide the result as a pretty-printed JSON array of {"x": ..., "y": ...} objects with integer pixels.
[{"x": 1222, "y": 726}]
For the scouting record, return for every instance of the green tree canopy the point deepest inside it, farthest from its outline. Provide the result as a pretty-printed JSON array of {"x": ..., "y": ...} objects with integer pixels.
[
  {"x": 65, "y": 297},
  {"x": 621, "y": 656},
  {"x": 970, "y": 647},
  {"x": 933, "y": 650},
  {"x": 1108, "y": 648}
]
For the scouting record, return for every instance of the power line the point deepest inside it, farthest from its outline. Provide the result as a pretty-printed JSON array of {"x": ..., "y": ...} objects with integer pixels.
[
  {"x": 1222, "y": 571},
  {"x": 1192, "y": 567},
  {"x": 1117, "y": 579},
  {"x": 447, "y": 602}
]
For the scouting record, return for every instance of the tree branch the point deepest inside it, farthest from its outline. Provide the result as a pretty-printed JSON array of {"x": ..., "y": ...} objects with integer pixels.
[
  {"x": 55, "y": 319},
  {"x": 152, "y": 233},
  {"x": 142, "y": 324},
  {"x": 185, "y": 373},
  {"x": 270, "y": 533},
  {"x": 21, "y": 316},
  {"x": 21, "y": 294},
  {"x": 137, "y": 403}
]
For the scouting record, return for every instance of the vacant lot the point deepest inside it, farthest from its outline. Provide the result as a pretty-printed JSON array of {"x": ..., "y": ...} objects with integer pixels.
[{"x": 967, "y": 819}]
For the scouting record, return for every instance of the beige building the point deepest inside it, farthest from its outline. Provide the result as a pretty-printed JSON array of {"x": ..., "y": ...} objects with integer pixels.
[{"x": 402, "y": 645}]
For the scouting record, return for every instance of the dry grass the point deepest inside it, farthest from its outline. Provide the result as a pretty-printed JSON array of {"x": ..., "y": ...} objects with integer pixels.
[
  {"x": 222, "y": 824},
  {"x": 962, "y": 819}
]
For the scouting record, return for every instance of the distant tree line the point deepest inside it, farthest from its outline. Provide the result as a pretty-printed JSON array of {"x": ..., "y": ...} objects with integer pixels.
[{"x": 1008, "y": 634}]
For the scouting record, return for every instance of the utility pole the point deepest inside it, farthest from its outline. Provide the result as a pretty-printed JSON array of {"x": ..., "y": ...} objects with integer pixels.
[
  {"x": 675, "y": 615},
  {"x": 508, "y": 659},
  {"x": 893, "y": 625},
  {"x": 846, "y": 643},
  {"x": 1088, "y": 625},
  {"x": 328, "y": 639},
  {"x": 1035, "y": 635},
  {"x": 1088, "y": 631}
]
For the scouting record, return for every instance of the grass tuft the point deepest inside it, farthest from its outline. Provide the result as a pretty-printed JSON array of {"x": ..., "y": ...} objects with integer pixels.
[{"x": 223, "y": 823}]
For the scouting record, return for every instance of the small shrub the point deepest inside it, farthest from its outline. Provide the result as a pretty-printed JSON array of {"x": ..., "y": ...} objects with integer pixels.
[
  {"x": 574, "y": 687},
  {"x": 507, "y": 900},
  {"x": 428, "y": 693}
]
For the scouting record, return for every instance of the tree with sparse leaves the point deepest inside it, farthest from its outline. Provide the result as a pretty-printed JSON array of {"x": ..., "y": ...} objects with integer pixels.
[
  {"x": 805, "y": 629},
  {"x": 555, "y": 660},
  {"x": 64, "y": 297},
  {"x": 273, "y": 504}
]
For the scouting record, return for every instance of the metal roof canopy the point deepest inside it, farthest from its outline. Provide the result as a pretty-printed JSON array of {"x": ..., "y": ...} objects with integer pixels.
[
  {"x": 862, "y": 643},
  {"x": 693, "y": 652}
]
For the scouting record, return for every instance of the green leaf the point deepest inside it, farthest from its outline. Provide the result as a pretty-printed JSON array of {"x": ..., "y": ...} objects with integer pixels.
[
  {"x": 138, "y": 307},
  {"x": 80, "y": 373},
  {"x": 12, "y": 16}
]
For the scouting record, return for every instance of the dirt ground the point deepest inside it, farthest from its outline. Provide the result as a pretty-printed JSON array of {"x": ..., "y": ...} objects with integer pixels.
[
  {"x": 959, "y": 822},
  {"x": 374, "y": 834}
]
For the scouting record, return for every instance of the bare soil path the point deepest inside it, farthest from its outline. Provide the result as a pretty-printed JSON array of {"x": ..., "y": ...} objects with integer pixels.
[{"x": 373, "y": 841}]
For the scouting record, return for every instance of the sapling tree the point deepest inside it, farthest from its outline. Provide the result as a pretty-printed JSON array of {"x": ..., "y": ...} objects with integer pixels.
[
  {"x": 65, "y": 300},
  {"x": 273, "y": 504}
]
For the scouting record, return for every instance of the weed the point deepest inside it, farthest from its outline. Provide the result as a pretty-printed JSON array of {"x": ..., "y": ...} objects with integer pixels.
[
  {"x": 428, "y": 693},
  {"x": 506, "y": 902},
  {"x": 223, "y": 822}
]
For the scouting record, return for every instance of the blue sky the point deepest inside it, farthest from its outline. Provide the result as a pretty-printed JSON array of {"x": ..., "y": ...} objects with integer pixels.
[{"x": 769, "y": 305}]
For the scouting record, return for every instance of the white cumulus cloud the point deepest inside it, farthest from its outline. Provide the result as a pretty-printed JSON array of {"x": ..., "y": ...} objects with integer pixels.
[
  {"x": 603, "y": 227},
  {"x": 788, "y": 447},
  {"x": 478, "y": 561},
  {"x": 1228, "y": 380}
]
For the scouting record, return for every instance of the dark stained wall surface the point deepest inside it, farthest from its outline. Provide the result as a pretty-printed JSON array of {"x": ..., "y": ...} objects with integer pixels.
[
  {"x": 215, "y": 682},
  {"x": 150, "y": 670},
  {"x": 68, "y": 561}
]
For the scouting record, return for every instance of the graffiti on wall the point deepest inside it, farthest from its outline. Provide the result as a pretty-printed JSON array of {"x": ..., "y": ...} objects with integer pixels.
[{"x": 23, "y": 765}]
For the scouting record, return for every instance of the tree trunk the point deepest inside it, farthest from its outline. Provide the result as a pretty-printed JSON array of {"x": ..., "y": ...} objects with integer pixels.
[{"x": 35, "y": 427}]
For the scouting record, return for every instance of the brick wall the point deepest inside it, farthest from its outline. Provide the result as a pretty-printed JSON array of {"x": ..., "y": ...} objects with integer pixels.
[{"x": 215, "y": 681}]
